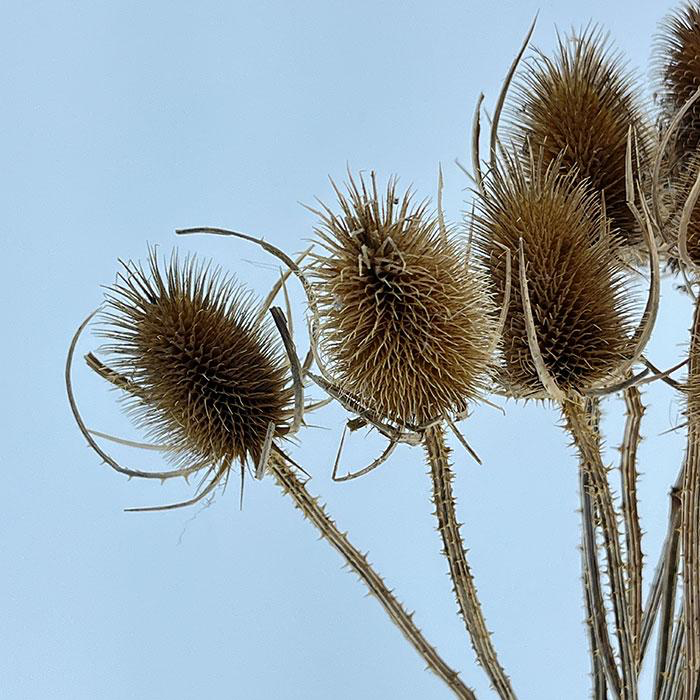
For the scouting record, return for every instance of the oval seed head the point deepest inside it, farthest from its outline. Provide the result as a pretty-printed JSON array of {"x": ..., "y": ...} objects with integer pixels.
[
  {"x": 576, "y": 108},
  {"x": 209, "y": 378},
  {"x": 678, "y": 68},
  {"x": 406, "y": 326},
  {"x": 580, "y": 306}
]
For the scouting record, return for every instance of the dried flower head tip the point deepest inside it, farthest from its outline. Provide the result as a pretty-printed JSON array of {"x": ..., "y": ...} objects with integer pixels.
[
  {"x": 210, "y": 378},
  {"x": 577, "y": 107},
  {"x": 678, "y": 68},
  {"x": 580, "y": 304},
  {"x": 406, "y": 325}
]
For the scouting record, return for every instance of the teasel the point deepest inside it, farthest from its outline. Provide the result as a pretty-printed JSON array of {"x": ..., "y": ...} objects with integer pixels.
[
  {"x": 677, "y": 166},
  {"x": 677, "y": 68},
  {"x": 403, "y": 277},
  {"x": 406, "y": 338},
  {"x": 576, "y": 108},
  {"x": 204, "y": 376},
  {"x": 569, "y": 337}
]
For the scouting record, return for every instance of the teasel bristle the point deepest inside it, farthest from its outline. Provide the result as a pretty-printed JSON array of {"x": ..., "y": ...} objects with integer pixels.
[
  {"x": 577, "y": 107},
  {"x": 406, "y": 325},
  {"x": 210, "y": 377},
  {"x": 580, "y": 301},
  {"x": 677, "y": 65}
]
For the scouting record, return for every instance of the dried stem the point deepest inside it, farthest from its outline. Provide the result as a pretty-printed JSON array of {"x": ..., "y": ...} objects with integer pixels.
[
  {"x": 314, "y": 512},
  {"x": 602, "y": 655},
  {"x": 669, "y": 553},
  {"x": 690, "y": 530},
  {"x": 666, "y": 659},
  {"x": 438, "y": 454},
  {"x": 588, "y": 444},
  {"x": 633, "y": 532}
]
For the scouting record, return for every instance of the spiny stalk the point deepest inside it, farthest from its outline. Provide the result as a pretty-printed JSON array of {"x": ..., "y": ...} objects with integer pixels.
[
  {"x": 357, "y": 561},
  {"x": 438, "y": 457}
]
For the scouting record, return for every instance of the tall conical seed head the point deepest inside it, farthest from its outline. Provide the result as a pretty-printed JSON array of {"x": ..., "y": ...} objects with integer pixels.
[
  {"x": 577, "y": 107},
  {"x": 678, "y": 67},
  {"x": 209, "y": 378},
  {"x": 580, "y": 303},
  {"x": 406, "y": 326}
]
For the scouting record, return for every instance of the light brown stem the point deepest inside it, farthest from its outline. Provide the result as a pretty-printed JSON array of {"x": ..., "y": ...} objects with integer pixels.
[
  {"x": 588, "y": 444},
  {"x": 602, "y": 655},
  {"x": 665, "y": 661},
  {"x": 633, "y": 531},
  {"x": 438, "y": 457},
  {"x": 690, "y": 528},
  {"x": 357, "y": 561}
]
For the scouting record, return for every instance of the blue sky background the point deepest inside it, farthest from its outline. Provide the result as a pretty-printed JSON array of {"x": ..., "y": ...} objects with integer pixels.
[{"x": 122, "y": 121}]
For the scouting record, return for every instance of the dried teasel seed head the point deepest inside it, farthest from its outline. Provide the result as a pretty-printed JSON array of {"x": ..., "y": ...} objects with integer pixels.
[
  {"x": 406, "y": 325},
  {"x": 580, "y": 303},
  {"x": 210, "y": 379},
  {"x": 576, "y": 108},
  {"x": 677, "y": 59},
  {"x": 684, "y": 180}
]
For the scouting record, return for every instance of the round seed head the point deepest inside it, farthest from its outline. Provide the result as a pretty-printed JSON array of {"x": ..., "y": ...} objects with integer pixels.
[
  {"x": 678, "y": 73},
  {"x": 406, "y": 326},
  {"x": 209, "y": 379},
  {"x": 580, "y": 306},
  {"x": 577, "y": 108}
]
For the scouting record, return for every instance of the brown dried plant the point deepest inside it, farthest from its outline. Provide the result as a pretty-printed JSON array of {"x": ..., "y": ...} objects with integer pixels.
[
  {"x": 407, "y": 333},
  {"x": 576, "y": 108},
  {"x": 202, "y": 373},
  {"x": 569, "y": 337},
  {"x": 678, "y": 68}
]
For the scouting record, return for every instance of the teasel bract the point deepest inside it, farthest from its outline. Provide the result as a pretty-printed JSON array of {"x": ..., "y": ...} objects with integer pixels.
[
  {"x": 569, "y": 336},
  {"x": 576, "y": 109},
  {"x": 407, "y": 331},
  {"x": 206, "y": 378}
]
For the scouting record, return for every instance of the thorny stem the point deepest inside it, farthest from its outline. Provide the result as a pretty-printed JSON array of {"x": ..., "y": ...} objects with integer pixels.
[
  {"x": 665, "y": 660},
  {"x": 588, "y": 444},
  {"x": 633, "y": 532},
  {"x": 602, "y": 655},
  {"x": 438, "y": 456},
  {"x": 690, "y": 530},
  {"x": 357, "y": 561}
]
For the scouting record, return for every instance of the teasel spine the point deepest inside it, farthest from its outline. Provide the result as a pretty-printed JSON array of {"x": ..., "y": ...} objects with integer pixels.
[{"x": 438, "y": 458}]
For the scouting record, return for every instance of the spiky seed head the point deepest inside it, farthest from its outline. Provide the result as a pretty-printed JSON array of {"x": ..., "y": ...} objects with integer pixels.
[
  {"x": 580, "y": 303},
  {"x": 209, "y": 378},
  {"x": 577, "y": 107},
  {"x": 683, "y": 180},
  {"x": 406, "y": 325},
  {"x": 678, "y": 69}
]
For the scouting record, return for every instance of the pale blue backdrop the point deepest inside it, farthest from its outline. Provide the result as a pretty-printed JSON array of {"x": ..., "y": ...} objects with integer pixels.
[{"x": 121, "y": 121}]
